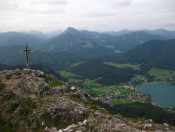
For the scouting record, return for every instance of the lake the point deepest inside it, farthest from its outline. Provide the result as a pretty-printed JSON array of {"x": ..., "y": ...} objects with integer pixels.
[{"x": 162, "y": 94}]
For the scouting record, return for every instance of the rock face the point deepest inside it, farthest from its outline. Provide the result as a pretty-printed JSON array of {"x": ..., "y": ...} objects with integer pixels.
[{"x": 34, "y": 101}]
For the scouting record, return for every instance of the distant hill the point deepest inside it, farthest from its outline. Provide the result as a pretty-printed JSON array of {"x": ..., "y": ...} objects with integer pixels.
[
  {"x": 102, "y": 73},
  {"x": 129, "y": 41},
  {"x": 84, "y": 42},
  {"x": 73, "y": 45},
  {"x": 162, "y": 32},
  {"x": 121, "y": 32},
  {"x": 11, "y": 55},
  {"x": 39, "y": 35},
  {"x": 157, "y": 53},
  {"x": 20, "y": 38},
  {"x": 73, "y": 41}
]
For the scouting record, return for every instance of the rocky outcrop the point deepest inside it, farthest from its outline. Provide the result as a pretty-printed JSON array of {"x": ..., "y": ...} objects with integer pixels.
[{"x": 34, "y": 101}]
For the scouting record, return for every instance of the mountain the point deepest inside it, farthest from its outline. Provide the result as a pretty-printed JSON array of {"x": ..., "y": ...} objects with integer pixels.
[
  {"x": 31, "y": 100},
  {"x": 162, "y": 32},
  {"x": 129, "y": 41},
  {"x": 39, "y": 35},
  {"x": 155, "y": 53},
  {"x": 124, "y": 41},
  {"x": 88, "y": 43},
  {"x": 20, "y": 38},
  {"x": 102, "y": 73},
  {"x": 54, "y": 33},
  {"x": 12, "y": 55},
  {"x": 71, "y": 46},
  {"x": 152, "y": 54},
  {"x": 73, "y": 41},
  {"x": 79, "y": 42},
  {"x": 119, "y": 33}
]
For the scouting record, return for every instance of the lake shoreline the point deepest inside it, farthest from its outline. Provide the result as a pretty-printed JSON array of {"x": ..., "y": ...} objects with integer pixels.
[{"x": 157, "y": 97}]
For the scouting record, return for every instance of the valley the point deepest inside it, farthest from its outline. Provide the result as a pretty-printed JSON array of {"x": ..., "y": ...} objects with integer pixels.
[
  {"x": 88, "y": 60},
  {"x": 123, "y": 92}
]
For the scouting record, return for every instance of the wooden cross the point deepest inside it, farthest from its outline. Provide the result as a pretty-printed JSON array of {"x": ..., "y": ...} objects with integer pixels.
[{"x": 27, "y": 50}]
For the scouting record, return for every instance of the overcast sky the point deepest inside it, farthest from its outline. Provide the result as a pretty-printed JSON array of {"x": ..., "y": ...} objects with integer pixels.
[{"x": 98, "y": 15}]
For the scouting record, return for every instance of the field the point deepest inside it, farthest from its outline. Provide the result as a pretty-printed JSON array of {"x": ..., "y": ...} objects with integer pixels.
[
  {"x": 161, "y": 74},
  {"x": 119, "y": 101},
  {"x": 90, "y": 84},
  {"x": 135, "y": 67},
  {"x": 68, "y": 74},
  {"x": 78, "y": 63},
  {"x": 104, "y": 89}
]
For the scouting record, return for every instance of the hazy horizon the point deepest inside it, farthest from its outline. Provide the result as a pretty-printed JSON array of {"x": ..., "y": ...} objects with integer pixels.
[{"x": 62, "y": 30}]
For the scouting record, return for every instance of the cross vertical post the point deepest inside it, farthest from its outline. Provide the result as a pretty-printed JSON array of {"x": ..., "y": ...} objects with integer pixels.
[{"x": 27, "y": 50}]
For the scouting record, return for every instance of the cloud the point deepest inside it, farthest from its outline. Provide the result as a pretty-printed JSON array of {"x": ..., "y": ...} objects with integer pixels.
[
  {"x": 122, "y": 2},
  {"x": 100, "y": 15},
  {"x": 7, "y": 5},
  {"x": 42, "y": 7},
  {"x": 51, "y": 2},
  {"x": 169, "y": 23}
]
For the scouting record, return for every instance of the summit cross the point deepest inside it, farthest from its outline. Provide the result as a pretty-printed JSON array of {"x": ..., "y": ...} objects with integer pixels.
[{"x": 27, "y": 50}]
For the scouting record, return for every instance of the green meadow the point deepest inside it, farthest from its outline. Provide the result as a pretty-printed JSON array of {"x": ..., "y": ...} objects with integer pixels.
[
  {"x": 119, "y": 101},
  {"x": 135, "y": 67},
  {"x": 104, "y": 89},
  {"x": 161, "y": 74},
  {"x": 68, "y": 74}
]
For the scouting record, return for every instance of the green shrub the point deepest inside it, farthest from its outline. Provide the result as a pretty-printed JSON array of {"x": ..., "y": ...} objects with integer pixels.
[
  {"x": 89, "y": 101},
  {"x": 56, "y": 83},
  {"x": 75, "y": 97},
  {"x": 13, "y": 105},
  {"x": 46, "y": 117},
  {"x": 47, "y": 78},
  {"x": 5, "y": 126},
  {"x": 9, "y": 96},
  {"x": 26, "y": 106},
  {"x": 1, "y": 86}
]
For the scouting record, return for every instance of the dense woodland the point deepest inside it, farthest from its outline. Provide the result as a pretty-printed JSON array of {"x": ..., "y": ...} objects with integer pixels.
[{"x": 141, "y": 110}]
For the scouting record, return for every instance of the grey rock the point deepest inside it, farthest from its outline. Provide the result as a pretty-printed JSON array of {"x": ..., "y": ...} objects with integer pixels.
[
  {"x": 62, "y": 89},
  {"x": 91, "y": 121},
  {"x": 43, "y": 87},
  {"x": 148, "y": 121},
  {"x": 147, "y": 126},
  {"x": 58, "y": 112},
  {"x": 165, "y": 124}
]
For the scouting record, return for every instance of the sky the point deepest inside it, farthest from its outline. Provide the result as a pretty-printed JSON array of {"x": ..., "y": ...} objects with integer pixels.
[{"x": 94, "y": 15}]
